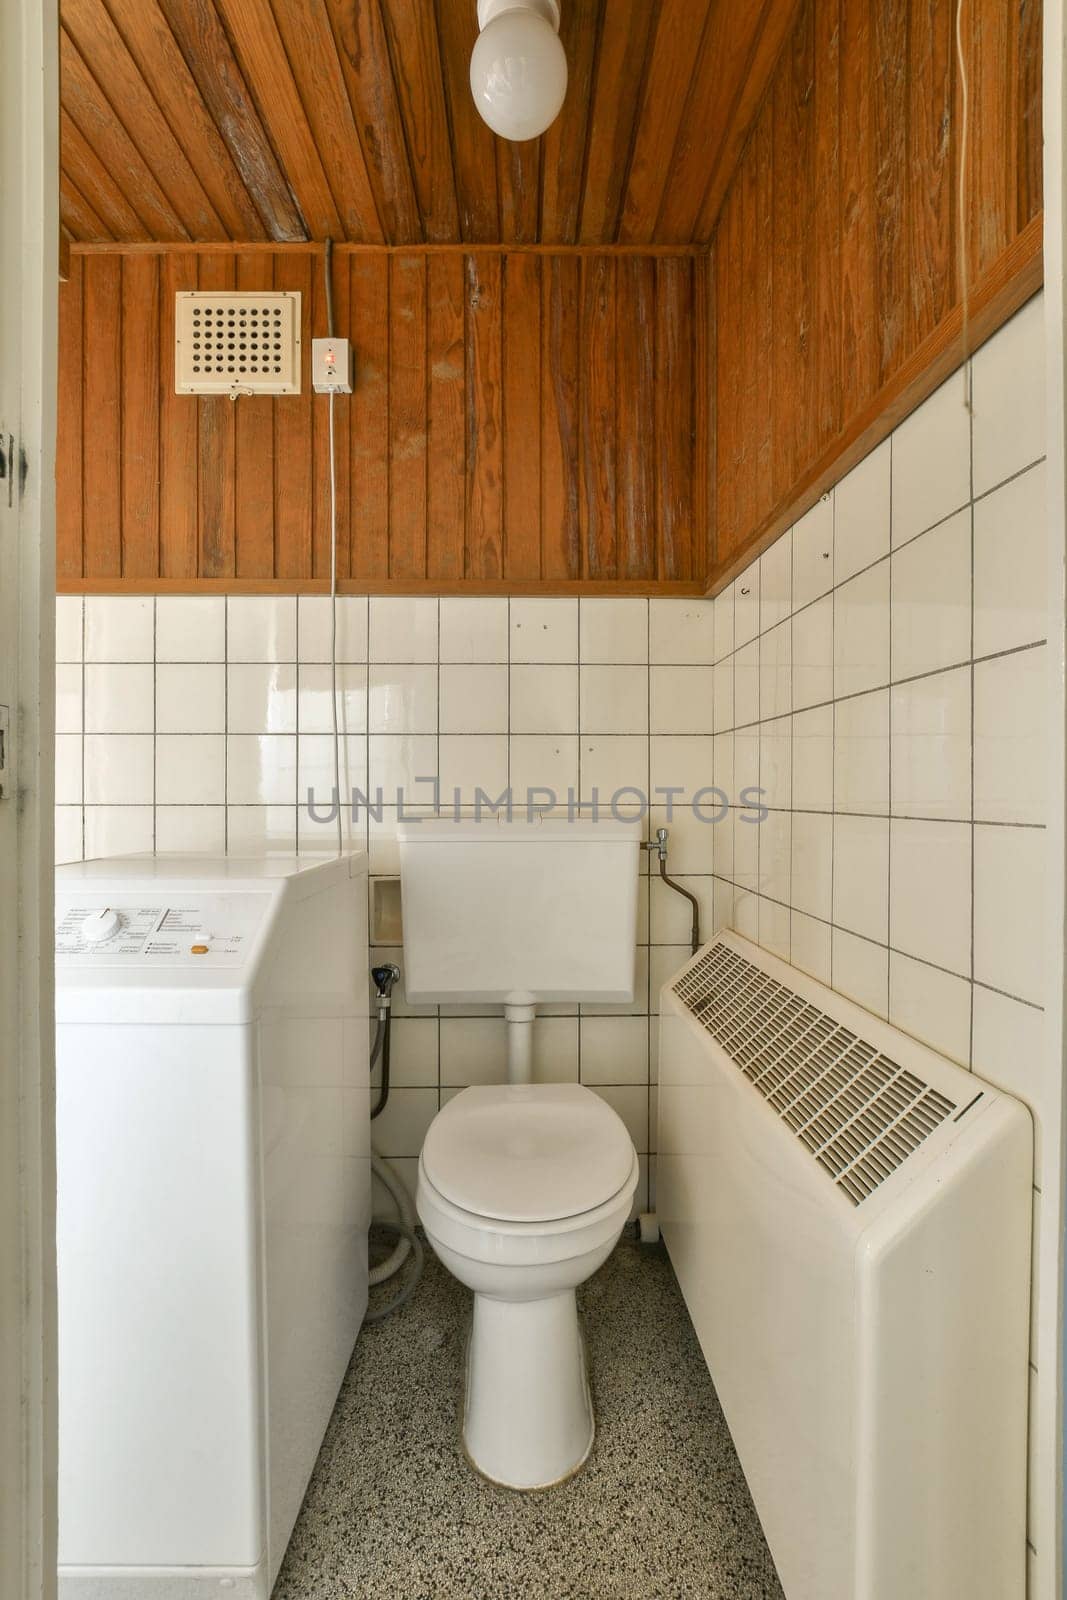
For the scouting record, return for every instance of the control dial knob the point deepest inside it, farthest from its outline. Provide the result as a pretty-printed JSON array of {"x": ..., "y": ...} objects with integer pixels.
[{"x": 100, "y": 925}]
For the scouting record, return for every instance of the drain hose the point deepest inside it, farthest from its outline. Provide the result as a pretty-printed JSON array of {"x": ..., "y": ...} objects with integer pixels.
[
  {"x": 411, "y": 1241},
  {"x": 391, "y": 1181}
]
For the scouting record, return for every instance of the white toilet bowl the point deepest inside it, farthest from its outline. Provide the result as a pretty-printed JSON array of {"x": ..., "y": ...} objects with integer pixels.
[{"x": 523, "y": 1192}]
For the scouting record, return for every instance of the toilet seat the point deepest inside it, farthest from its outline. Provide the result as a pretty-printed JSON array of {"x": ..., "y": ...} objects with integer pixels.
[{"x": 527, "y": 1154}]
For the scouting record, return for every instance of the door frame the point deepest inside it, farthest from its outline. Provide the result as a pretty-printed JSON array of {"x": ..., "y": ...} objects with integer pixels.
[{"x": 29, "y": 241}]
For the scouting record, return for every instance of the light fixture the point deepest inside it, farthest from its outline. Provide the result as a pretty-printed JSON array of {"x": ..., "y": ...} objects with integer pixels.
[{"x": 518, "y": 66}]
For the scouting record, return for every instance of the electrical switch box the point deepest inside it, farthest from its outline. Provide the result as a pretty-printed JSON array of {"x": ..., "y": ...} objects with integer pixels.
[{"x": 331, "y": 366}]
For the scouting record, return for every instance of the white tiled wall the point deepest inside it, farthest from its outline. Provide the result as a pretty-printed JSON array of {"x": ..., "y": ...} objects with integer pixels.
[
  {"x": 198, "y": 723},
  {"x": 881, "y": 673}
]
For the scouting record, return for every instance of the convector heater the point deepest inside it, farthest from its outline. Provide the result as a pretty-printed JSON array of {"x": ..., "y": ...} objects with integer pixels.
[{"x": 849, "y": 1218}]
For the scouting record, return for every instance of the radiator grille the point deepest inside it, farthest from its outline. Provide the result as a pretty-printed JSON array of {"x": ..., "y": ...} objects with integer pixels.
[{"x": 859, "y": 1113}]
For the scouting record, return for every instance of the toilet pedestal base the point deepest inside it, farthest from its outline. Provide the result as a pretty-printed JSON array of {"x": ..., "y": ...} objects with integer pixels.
[{"x": 528, "y": 1415}]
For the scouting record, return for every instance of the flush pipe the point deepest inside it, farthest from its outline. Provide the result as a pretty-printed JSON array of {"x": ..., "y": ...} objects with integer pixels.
[
  {"x": 659, "y": 844},
  {"x": 520, "y": 1021}
]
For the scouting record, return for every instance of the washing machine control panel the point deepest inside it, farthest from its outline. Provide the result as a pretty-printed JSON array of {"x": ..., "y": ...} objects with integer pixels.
[{"x": 217, "y": 929}]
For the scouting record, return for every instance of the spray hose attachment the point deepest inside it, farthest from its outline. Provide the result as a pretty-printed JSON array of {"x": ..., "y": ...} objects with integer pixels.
[
  {"x": 659, "y": 845},
  {"x": 384, "y": 980}
]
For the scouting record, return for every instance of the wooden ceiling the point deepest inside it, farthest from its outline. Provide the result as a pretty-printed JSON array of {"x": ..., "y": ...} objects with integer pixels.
[{"x": 289, "y": 120}]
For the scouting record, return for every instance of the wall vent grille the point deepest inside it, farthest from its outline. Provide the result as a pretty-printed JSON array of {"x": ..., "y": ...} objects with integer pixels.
[
  {"x": 859, "y": 1113},
  {"x": 237, "y": 343}
]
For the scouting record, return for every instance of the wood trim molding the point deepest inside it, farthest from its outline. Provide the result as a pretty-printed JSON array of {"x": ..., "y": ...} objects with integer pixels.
[{"x": 311, "y": 247}]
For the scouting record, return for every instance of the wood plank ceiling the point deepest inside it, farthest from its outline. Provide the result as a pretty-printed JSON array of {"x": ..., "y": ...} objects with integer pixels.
[{"x": 288, "y": 120}]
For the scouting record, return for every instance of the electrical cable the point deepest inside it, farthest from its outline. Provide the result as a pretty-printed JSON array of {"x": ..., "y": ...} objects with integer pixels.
[
  {"x": 326, "y": 265},
  {"x": 961, "y": 211}
]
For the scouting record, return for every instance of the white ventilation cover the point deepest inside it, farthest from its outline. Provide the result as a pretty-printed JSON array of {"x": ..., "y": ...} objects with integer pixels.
[
  {"x": 237, "y": 343},
  {"x": 859, "y": 1112}
]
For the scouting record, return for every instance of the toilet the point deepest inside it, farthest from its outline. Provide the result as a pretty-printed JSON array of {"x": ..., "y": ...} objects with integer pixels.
[{"x": 523, "y": 1187}]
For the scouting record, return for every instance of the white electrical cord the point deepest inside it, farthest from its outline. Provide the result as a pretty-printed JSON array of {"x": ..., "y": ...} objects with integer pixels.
[
  {"x": 333, "y": 633},
  {"x": 961, "y": 209}
]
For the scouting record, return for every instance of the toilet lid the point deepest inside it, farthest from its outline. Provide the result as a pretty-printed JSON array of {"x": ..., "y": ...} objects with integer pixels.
[{"x": 528, "y": 1152}]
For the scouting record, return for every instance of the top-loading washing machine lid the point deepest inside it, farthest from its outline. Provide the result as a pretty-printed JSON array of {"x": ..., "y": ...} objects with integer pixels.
[{"x": 528, "y": 1152}]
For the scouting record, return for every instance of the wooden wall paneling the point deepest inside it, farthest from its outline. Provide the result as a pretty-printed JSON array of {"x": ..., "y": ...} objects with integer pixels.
[
  {"x": 153, "y": 47},
  {"x": 748, "y": 375},
  {"x": 930, "y": 115},
  {"x": 808, "y": 243},
  {"x": 620, "y": 70},
  {"x": 140, "y": 416},
  {"x": 205, "y": 45},
  {"x": 522, "y": 416},
  {"x": 407, "y": 416},
  {"x": 635, "y": 363},
  {"x": 866, "y": 108},
  {"x": 120, "y": 80},
  {"x": 485, "y": 445},
  {"x": 727, "y": 368},
  {"x": 859, "y": 321},
  {"x": 102, "y": 415},
  {"x": 179, "y": 435},
  {"x": 989, "y": 35},
  {"x": 725, "y": 51},
  {"x": 763, "y": 288},
  {"x": 369, "y": 417},
  {"x": 784, "y": 376},
  {"x": 293, "y": 442},
  {"x": 560, "y": 490},
  {"x": 113, "y": 146},
  {"x": 598, "y": 423},
  {"x": 674, "y": 419},
  {"x": 117, "y": 218},
  {"x": 254, "y": 464},
  {"x": 362, "y": 45},
  {"x": 320, "y": 430},
  {"x": 892, "y": 181},
  {"x": 826, "y": 252},
  {"x": 70, "y": 427},
  {"x": 704, "y": 440},
  {"x": 563, "y": 158},
  {"x": 268, "y": 73},
  {"x": 675, "y": 47},
  {"x": 473, "y": 145},
  {"x": 1028, "y": 111},
  {"x": 446, "y": 462},
  {"x": 775, "y": 25},
  {"x": 308, "y": 39},
  {"x": 217, "y": 433}
]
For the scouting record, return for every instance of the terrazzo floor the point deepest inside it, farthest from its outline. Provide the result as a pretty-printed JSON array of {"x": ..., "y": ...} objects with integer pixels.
[{"x": 660, "y": 1512}]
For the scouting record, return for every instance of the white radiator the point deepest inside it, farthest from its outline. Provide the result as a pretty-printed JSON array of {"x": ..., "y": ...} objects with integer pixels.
[{"x": 849, "y": 1217}]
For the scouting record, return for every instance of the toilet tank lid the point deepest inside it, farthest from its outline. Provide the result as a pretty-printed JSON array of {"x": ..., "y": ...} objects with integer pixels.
[{"x": 499, "y": 830}]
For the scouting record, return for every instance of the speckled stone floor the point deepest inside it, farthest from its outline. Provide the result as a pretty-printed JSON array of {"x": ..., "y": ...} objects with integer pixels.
[{"x": 660, "y": 1512}]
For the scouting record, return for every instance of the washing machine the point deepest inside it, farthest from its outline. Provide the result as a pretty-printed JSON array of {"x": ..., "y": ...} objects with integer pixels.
[{"x": 213, "y": 1153}]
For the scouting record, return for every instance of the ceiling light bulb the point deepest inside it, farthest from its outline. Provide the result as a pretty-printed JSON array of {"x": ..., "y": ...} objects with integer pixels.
[{"x": 519, "y": 67}]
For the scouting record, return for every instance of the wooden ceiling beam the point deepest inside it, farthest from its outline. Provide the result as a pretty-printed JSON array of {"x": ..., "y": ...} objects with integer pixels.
[
  {"x": 674, "y": 50},
  {"x": 206, "y": 49},
  {"x": 620, "y": 70},
  {"x": 117, "y": 73},
  {"x": 304, "y": 27},
  {"x": 362, "y": 46},
  {"x": 90, "y": 176},
  {"x": 265, "y": 67},
  {"x": 95, "y": 117},
  {"x": 412, "y": 54},
  {"x": 149, "y": 39},
  {"x": 473, "y": 145},
  {"x": 565, "y": 143}
]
